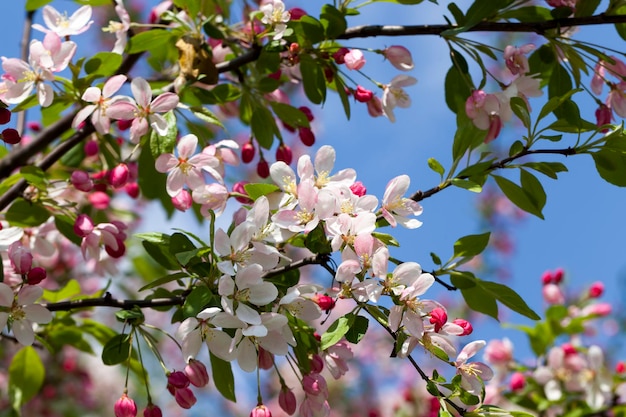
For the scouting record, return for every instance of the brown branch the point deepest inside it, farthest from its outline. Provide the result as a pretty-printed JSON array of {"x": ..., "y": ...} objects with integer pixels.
[
  {"x": 421, "y": 195},
  {"x": 366, "y": 31},
  {"x": 109, "y": 301}
]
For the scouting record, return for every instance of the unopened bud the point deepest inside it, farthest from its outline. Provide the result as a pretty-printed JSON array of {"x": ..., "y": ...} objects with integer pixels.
[
  {"x": 81, "y": 181},
  {"x": 185, "y": 398},
  {"x": 197, "y": 373},
  {"x": 518, "y": 381},
  {"x": 363, "y": 95},
  {"x": 263, "y": 169},
  {"x": 247, "y": 153},
  {"x": 306, "y": 136},
  {"x": 5, "y": 115},
  {"x": 11, "y": 136},
  {"x": 125, "y": 407},
  {"x": 182, "y": 201},
  {"x": 283, "y": 153},
  {"x": 36, "y": 275},
  {"x": 358, "y": 189},
  {"x": 118, "y": 176},
  {"x": 596, "y": 290},
  {"x": 260, "y": 411},
  {"x": 466, "y": 325},
  {"x": 287, "y": 400},
  {"x": 152, "y": 411},
  {"x": 91, "y": 148}
]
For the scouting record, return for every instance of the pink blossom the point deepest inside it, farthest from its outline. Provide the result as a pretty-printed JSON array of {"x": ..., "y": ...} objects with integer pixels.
[
  {"x": 20, "y": 257},
  {"x": 62, "y": 25},
  {"x": 396, "y": 208},
  {"x": 375, "y": 107},
  {"x": 552, "y": 294},
  {"x": 212, "y": 197},
  {"x": 400, "y": 57},
  {"x": 616, "y": 99},
  {"x": 337, "y": 357},
  {"x": 354, "y": 59},
  {"x": 144, "y": 110},
  {"x": 101, "y": 100},
  {"x": 465, "y": 325},
  {"x": 473, "y": 374},
  {"x": 186, "y": 168},
  {"x": 275, "y": 15},
  {"x": 484, "y": 110},
  {"x": 22, "y": 312},
  {"x": 515, "y": 58},
  {"x": 395, "y": 96},
  {"x": 499, "y": 353}
]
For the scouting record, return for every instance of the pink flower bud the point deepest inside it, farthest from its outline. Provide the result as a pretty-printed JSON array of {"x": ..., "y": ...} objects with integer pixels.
[
  {"x": 358, "y": 189},
  {"x": 375, "y": 107},
  {"x": 296, "y": 13},
  {"x": 36, "y": 275},
  {"x": 325, "y": 302},
  {"x": 363, "y": 95},
  {"x": 317, "y": 364},
  {"x": 598, "y": 309},
  {"x": 197, "y": 373},
  {"x": 518, "y": 381},
  {"x": 620, "y": 367},
  {"x": 283, "y": 153},
  {"x": 546, "y": 278},
  {"x": 20, "y": 257},
  {"x": 339, "y": 55},
  {"x": 91, "y": 148},
  {"x": 118, "y": 176},
  {"x": 314, "y": 384},
  {"x": 238, "y": 187},
  {"x": 81, "y": 181},
  {"x": 260, "y": 411},
  {"x": 568, "y": 349},
  {"x": 99, "y": 200},
  {"x": 354, "y": 60},
  {"x": 83, "y": 225},
  {"x": 5, "y": 115},
  {"x": 263, "y": 169},
  {"x": 184, "y": 397},
  {"x": 34, "y": 126},
  {"x": 596, "y": 290},
  {"x": 266, "y": 359},
  {"x": 306, "y": 136},
  {"x": 132, "y": 189},
  {"x": 11, "y": 136},
  {"x": 182, "y": 201},
  {"x": 177, "y": 379},
  {"x": 125, "y": 407},
  {"x": 287, "y": 400},
  {"x": 152, "y": 411},
  {"x": 399, "y": 57},
  {"x": 438, "y": 317},
  {"x": 466, "y": 325},
  {"x": 603, "y": 116},
  {"x": 247, "y": 153},
  {"x": 552, "y": 294}
]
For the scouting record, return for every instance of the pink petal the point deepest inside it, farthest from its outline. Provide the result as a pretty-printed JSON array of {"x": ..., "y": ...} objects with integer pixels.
[
  {"x": 113, "y": 84},
  {"x": 141, "y": 91},
  {"x": 164, "y": 103}
]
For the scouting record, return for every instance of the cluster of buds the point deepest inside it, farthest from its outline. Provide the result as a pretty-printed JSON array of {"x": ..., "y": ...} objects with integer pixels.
[
  {"x": 8, "y": 135},
  {"x": 616, "y": 99}
]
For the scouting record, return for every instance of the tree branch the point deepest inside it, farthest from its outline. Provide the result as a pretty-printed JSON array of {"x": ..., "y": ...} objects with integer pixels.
[
  {"x": 540, "y": 28},
  {"x": 109, "y": 301},
  {"x": 421, "y": 195}
]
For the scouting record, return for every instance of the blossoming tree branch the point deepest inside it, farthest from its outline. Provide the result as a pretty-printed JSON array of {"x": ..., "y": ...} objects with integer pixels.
[{"x": 148, "y": 120}]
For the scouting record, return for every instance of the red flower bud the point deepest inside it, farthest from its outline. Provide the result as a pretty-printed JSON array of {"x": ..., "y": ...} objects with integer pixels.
[
  {"x": 36, "y": 275},
  {"x": 287, "y": 400},
  {"x": 184, "y": 397},
  {"x": 596, "y": 289},
  {"x": 5, "y": 115},
  {"x": 466, "y": 325},
  {"x": 518, "y": 381},
  {"x": 124, "y": 124},
  {"x": 132, "y": 189},
  {"x": 296, "y": 13},
  {"x": 83, "y": 225},
  {"x": 438, "y": 317},
  {"x": 118, "y": 176},
  {"x": 306, "y": 136},
  {"x": 307, "y": 112},
  {"x": 363, "y": 95},
  {"x": 91, "y": 148},
  {"x": 125, "y": 407},
  {"x": 11, "y": 136},
  {"x": 238, "y": 187},
  {"x": 247, "y": 153},
  {"x": 339, "y": 56},
  {"x": 152, "y": 411},
  {"x": 197, "y": 373},
  {"x": 283, "y": 153},
  {"x": 358, "y": 189},
  {"x": 263, "y": 169}
]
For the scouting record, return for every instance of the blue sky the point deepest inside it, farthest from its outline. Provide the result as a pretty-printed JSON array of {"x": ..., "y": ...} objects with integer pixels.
[{"x": 584, "y": 228}]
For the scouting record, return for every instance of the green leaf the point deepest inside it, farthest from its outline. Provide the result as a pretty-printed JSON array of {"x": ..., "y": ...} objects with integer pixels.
[
  {"x": 32, "y": 5},
  {"x": 65, "y": 225},
  {"x": 290, "y": 115},
  {"x": 263, "y": 126},
  {"x": 70, "y": 290},
  {"x": 311, "y": 28},
  {"x": 508, "y": 297},
  {"x": 528, "y": 14},
  {"x": 196, "y": 301},
  {"x": 479, "y": 10},
  {"x": 481, "y": 301},
  {"x": 161, "y": 254},
  {"x": 26, "y": 376},
  {"x": 387, "y": 239},
  {"x": 520, "y": 108},
  {"x": 313, "y": 79},
  {"x": 436, "y": 259},
  {"x": 255, "y": 191},
  {"x": 620, "y": 27},
  {"x": 164, "y": 144},
  {"x": 586, "y": 8},
  {"x": 436, "y": 166},
  {"x": 317, "y": 241},
  {"x": 164, "y": 280},
  {"x": 223, "y": 377},
  {"x": 337, "y": 331},
  {"x": 333, "y": 21},
  {"x": 357, "y": 329},
  {"x": 206, "y": 116},
  {"x": 103, "y": 64},
  {"x": 150, "y": 39},
  {"x": 116, "y": 350},
  {"x": 467, "y": 136},
  {"x": 611, "y": 166},
  {"x": 471, "y": 245},
  {"x": 457, "y": 88},
  {"x": 533, "y": 189},
  {"x": 467, "y": 185},
  {"x": 34, "y": 175},
  {"x": 23, "y": 213},
  {"x": 551, "y": 169},
  {"x": 462, "y": 279},
  {"x": 519, "y": 196},
  {"x": 340, "y": 87}
]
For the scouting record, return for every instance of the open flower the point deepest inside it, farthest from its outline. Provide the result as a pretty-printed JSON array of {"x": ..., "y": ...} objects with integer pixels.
[
  {"x": 274, "y": 14},
  {"x": 119, "y": 28},
  {"x": 396, "y": 207},
  {"x": 20, "y": 312},
  {"x": 144, "y": 110},
  {"x": 395, "y": 96},
  {"x": 63, "y": 25},
  {"x": 474, "y": 374},
  {"x": 101, "y": 100},
  {"x": 186, "y": 168}
]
